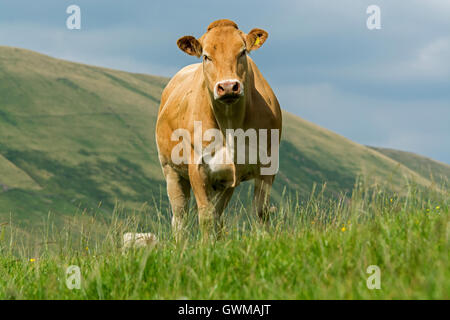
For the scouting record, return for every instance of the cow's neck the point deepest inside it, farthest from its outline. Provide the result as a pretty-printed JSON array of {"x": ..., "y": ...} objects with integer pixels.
[{"x": 229, "y": 116}]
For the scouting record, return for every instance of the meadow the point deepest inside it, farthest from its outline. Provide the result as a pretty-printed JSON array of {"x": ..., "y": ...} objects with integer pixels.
[{"x": 317, "y": 248}]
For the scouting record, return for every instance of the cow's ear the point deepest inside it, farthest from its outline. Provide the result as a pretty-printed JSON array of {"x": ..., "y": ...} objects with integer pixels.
[
  {"x": 190, "y": 45},
  {"x": 256, "y": 38}
]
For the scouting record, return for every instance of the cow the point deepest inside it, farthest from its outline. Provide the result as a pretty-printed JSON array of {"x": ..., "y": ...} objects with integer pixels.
[{"x": 226, "y": 91}]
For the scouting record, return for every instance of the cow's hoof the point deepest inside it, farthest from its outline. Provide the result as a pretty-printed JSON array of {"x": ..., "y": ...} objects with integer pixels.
[{"x": 139, "y": 240}]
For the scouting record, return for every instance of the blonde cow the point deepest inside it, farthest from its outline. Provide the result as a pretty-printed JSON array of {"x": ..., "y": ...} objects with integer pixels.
[{"x": 209, "y": 113}]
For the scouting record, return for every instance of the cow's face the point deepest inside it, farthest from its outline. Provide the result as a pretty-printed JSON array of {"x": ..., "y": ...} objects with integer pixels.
[{"x": 224, "y": 50}]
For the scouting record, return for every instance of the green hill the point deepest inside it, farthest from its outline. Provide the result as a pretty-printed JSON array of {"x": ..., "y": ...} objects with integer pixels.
[
  {"x": 433, "y": 170},
  {"x": 75, "y": 137}
]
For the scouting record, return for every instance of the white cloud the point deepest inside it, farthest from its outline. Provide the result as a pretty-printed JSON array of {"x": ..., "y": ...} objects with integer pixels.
[{"x": 434, "y": 59}]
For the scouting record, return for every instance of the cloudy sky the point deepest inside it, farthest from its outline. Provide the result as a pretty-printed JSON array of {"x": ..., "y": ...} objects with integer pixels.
[{"x": 387, "y": 87}]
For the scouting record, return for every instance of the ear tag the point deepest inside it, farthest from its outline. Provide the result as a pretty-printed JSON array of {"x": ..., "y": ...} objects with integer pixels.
[{"x": 258, "y": 40}]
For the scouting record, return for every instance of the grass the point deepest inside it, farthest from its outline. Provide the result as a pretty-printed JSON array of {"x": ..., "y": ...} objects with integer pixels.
[{"x": 313, "y": 249}]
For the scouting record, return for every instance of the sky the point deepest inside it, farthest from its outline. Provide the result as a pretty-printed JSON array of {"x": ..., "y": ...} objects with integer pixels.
[{"x": 387, "y": 87}]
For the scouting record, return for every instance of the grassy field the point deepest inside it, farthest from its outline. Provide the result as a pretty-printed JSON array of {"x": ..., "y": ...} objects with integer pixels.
[{"x": 314, "y": 249}]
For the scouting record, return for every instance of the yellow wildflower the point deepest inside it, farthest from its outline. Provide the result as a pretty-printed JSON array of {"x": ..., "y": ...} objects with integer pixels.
[
  {"x": 343, "y": 229},
  {"x": 32, "y": 260}
]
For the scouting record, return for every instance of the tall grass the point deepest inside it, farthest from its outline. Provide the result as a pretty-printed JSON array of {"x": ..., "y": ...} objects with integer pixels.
[{"x": 319, "y": 248}]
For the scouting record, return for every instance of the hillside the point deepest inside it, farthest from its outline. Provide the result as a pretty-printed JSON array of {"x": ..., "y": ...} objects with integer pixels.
[
  {"x": 433, "y": 170},
  {"x": 75, "y": 137}
]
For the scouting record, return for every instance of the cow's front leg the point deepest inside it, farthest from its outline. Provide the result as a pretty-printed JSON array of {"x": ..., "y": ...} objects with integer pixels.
[
  {"x": 210, "y": 216},
  {"x": 178, "y": 190},
  {"x": 211, "y": 202},
  {"x": 261, "y": 197}
]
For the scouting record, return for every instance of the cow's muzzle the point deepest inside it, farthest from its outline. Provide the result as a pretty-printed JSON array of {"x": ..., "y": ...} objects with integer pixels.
[{"x": 228, "y": 91}]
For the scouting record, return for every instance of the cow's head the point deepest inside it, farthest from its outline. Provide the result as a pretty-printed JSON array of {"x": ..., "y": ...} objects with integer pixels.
[{"x": 224, "y": 49}]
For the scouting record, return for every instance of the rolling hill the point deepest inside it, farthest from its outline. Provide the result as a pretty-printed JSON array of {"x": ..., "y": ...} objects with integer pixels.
[
  {"x": 75, "y": 137},
  {"x": 433, "y": 170}
]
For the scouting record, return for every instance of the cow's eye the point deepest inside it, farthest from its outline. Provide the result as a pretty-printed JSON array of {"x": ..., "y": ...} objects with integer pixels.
[{"x": 206, "y": 58}]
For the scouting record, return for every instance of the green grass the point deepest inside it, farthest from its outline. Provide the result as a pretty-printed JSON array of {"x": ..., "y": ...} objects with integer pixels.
[{"x": 313, "y": 249}]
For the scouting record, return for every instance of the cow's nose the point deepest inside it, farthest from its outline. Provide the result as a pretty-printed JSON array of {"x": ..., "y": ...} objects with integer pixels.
[{"x": 228, "y": 87}]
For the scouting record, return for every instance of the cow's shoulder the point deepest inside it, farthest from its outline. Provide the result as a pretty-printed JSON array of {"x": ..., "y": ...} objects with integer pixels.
[
  {"x": 265, "y": 109},
  {"x": 187, "y": 72},
  {"x": 183, "y": 102},
  {"x": 260, "y": 82},
  {"x": 183, "y": 78},
  {"x": 180, "y": 83}
]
